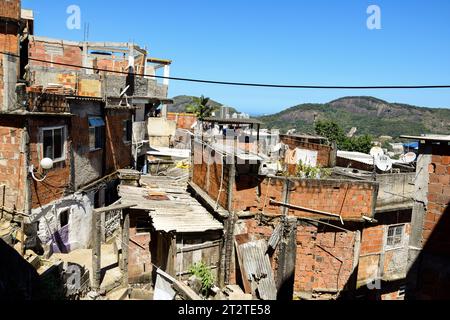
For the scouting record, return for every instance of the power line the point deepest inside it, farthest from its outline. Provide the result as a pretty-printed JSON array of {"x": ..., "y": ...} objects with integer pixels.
[{"x": 245, "y": 84}]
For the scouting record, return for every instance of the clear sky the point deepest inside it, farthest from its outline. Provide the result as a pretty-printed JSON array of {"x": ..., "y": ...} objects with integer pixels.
[{"x": 299, "y": 42}]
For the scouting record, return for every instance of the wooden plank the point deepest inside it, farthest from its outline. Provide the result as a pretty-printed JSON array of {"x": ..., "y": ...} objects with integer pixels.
[
  {"x": 172, "y": 254},
  {"x": 114, "y": 208},
  {"x": 185, "y": 291},
  {"x": 199, "y": 246}
]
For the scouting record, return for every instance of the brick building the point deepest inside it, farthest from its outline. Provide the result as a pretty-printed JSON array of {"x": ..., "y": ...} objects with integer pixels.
[
  {"x": 429, "y": 254},
  {"x": 345, "y": 236},
  {"x": 85, "y": 106}
]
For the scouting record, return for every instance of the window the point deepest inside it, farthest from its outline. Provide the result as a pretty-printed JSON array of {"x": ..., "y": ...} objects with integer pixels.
[
  {"x": 96, "y": 133},
  {"x": 143, "y": 225},
  {"x": 127, "y": 130},
  {"x": 53, "y": 143},
  {"x": 395, "y": 236},
  {"x": 64, "y": 218}
]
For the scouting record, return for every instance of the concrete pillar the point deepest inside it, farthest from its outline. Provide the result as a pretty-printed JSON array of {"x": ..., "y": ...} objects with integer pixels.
[
  {"x": 229, "y": 226},
  {"x": 125, "y": 244},
  {"x": 166, "y": 75},
  {"x": 286, "y": 260},
  {"x": 166, "y": 83},
  {"x": 96, "y": 251}
]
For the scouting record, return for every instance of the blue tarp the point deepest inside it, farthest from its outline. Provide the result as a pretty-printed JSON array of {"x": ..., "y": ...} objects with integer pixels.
[
  {"x": 96, "y": 122},
  {"x": 412, "y": 145}
]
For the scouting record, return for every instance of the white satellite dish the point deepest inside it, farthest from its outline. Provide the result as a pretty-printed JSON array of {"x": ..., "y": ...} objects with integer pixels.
[
  {"x": 376, "y": 152},
  {"x": 408, "y": 157},
  {"x": 384, "y": 163},
  {"x": 276, "y": 148}
]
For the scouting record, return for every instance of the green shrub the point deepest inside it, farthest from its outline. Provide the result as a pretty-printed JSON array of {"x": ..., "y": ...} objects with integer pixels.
[
  {"x": 309, "y": 172},
  {"x": 204, "y": 273}
]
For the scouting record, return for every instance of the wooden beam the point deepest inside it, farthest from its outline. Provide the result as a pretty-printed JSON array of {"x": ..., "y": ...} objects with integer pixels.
[
  {"x": 199, "y": 246},
  {"x": 160, "y": 61},
  {"x": 114, "y": 208},
  {"x": 305, "y": 209},
  {"x": 185, "y": 291}
]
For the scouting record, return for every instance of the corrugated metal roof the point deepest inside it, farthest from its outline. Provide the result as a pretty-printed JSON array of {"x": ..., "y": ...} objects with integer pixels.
[
  {"x": 178, "y": 211},
  {"x": 258, "y": 269},
  {"x": 429, "y": 137},
  {"x": 356, "y": 156}
]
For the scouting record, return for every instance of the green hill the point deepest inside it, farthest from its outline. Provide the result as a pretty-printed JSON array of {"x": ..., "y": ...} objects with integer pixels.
[
  {"x": 180, "y": 103},
  {"x": 369, "y": 115}
]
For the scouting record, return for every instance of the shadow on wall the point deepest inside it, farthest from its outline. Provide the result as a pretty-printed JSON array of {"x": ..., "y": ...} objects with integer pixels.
[
  {"x": 18, "y": 279},
  {"x": 429, "y": 275}
]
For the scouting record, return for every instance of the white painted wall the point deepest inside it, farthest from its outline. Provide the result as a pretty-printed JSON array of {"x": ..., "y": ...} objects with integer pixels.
[{"x": 80, "y": 219}]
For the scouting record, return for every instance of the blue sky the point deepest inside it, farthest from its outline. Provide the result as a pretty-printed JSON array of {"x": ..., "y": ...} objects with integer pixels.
[{"x": 315, "y": 42}]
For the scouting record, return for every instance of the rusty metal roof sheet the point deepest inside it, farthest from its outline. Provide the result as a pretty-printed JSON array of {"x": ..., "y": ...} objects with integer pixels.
[
  {"x": 178, "y": 211},
  {"x": 258, "y": 269}
]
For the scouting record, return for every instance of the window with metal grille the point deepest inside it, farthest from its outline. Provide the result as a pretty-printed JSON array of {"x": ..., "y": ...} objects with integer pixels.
[{"x": 395, "y": 236}]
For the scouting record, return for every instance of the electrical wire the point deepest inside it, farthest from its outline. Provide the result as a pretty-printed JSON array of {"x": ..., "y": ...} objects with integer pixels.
[{"x": 246, "y": 84}]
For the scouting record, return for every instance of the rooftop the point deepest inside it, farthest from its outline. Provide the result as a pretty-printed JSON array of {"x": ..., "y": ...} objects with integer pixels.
[
  {"x": 169, "y": 204},
  {"x": 232, "y": 121},
  {"x": 429, "y": 137}
]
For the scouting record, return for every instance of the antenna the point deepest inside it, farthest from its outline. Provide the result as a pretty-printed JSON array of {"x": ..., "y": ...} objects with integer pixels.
[
  {"x": 86, "y": 32},
  {"x": 124, "y": 91}
]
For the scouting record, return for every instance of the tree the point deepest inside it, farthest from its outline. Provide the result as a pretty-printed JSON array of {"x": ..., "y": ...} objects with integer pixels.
[
  {"x": 333, "y": 132},
  {"x": 201, "y": 108},
  {"x": 330, "y": 130}
]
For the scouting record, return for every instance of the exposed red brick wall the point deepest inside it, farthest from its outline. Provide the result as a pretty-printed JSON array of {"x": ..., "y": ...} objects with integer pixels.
[
  {"x": 438, "y": 201},
  {"x": 372, "y": 239},
  {"x": 71, "y": 55},
  {"x": 323, "y": 151},
  {"x": 184, "y": 120},
  {"x": 108, "y": 64},
  {"x": 248, "y": 197},
  {"x": 12, "y": 162},
  {"x": 350, "y": 199},
  {"x": 324, "y": 259},
  {"x": 9, "y": 42},
  {"x": 10, "y": 9},
  {"x": 139, "y": 257},
  {"x": 204, "y": 159},
  {"x": 57, "y": 182},
  {"x": 118, "y": 152}
]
